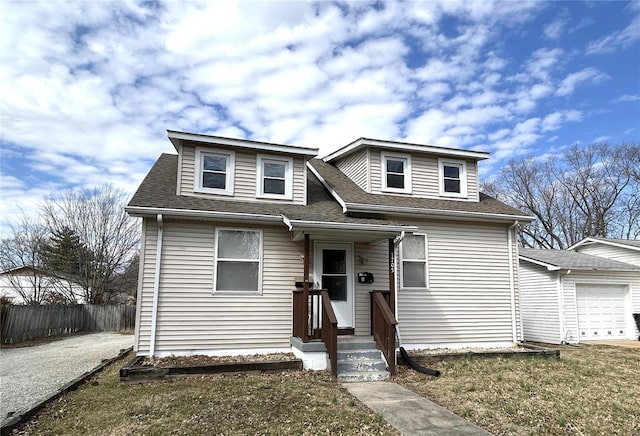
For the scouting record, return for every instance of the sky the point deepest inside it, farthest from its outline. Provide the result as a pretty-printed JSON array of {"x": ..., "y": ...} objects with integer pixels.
[{"x": 88, "y": 89}]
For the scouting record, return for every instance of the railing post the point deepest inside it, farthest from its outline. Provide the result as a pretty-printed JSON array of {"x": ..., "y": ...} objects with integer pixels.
[{"x": 305, "y": 289}]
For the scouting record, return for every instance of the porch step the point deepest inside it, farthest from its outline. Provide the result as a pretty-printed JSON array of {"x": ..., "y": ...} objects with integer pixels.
[{"x": 359, "y": 360}]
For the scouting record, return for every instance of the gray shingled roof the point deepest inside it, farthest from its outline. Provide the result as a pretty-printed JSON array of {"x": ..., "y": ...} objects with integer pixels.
[
  {"x": 352, "y": 193},
  {"x": 158, "y": 190},
  {"x": 565, "y": 259},
  {"x": 630, "y": 242}
]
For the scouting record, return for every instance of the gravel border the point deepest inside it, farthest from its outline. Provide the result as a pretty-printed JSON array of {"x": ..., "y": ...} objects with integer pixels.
[{"x": 25, "y": 415}]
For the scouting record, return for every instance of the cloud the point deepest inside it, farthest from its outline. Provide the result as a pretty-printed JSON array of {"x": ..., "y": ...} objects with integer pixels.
[
  {"x": 617, "y": 40},
  {"x": 87, "y": 93},
  {"x": 589, "y": 75},
  {"x": 626, "y": 98},
  {"x": 554, "y": 29}
]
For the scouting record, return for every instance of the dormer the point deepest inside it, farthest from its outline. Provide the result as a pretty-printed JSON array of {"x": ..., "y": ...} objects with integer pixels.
[
  {"x": 413, "y": 170},
  {"x": 236, "y": 169}
]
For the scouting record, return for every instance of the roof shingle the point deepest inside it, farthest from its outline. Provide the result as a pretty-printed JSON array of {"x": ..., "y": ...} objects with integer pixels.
[{"x": 566, "y": 259}]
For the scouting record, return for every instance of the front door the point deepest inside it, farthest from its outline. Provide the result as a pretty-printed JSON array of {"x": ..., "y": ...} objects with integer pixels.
[{"x": 333, "y": 271}]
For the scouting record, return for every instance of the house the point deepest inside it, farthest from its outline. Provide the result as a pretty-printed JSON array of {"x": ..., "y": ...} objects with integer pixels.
[
  {"x": 253, "y": 247},
  {"x": 588, "y": 292},
  {"x": 27, "y": 284}
]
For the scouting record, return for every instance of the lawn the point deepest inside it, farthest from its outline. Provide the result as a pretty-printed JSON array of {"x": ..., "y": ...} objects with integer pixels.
[
  {"x": 284, "y": 403},
  {"x": 591, "y": 390}
]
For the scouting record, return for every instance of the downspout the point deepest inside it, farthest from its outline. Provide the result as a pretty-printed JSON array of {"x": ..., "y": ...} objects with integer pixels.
[
  {"x": 561, "y": 317},
  {"x": 512, "y": 283},
  {"x": 396, "y": 243},
  {"x": 156, "y": 288}
]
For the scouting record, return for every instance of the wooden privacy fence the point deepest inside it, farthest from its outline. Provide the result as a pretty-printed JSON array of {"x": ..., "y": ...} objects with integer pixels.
[{"x": 21, "y": 323}]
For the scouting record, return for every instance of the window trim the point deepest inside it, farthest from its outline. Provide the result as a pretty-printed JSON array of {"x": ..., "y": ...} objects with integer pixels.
[
  {"x": 216, "y": 259},
  {"x": 463, "y": 177},
  {"x": 407, "y": 172},
  {"x": 425, "y": 261},
  {"x": 230, "y": 170},
  {"x": 288, "y": 177}
]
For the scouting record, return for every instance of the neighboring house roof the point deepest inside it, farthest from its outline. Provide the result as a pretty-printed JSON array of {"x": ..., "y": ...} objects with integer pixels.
[
  {"x": 403, "y": 146},
  {"x": 555, "y": 260},
  {"x": 157, "y": 194},
  {"x": 355, "y": 199},
  {"x": 624, "y": 243}
]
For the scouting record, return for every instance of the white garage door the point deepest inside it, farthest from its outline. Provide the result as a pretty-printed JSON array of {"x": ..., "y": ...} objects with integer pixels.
[{"x": 601, "y": 311}]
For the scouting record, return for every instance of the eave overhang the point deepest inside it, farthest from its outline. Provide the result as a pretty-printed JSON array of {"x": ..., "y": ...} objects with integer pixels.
[
  {"x": 404, "y": 146},
  {"x": 139, "y": 211},
  {"x": 176, "y": 138}
]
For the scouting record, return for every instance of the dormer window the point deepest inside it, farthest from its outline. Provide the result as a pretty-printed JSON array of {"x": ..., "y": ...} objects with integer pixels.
[
  {"x": 274, "y": 177},
  {"x": 453, "y": 178},
  {"x": 396, "y": 172},
  {"x": 215, "y": 171}
]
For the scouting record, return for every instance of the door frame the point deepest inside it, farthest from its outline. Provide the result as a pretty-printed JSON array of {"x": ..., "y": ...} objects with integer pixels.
[{"x": 351, "y": 285}]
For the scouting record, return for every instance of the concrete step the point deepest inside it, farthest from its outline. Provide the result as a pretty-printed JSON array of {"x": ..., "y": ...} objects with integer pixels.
[
  {"x": 359, "y": 354},
  {"x": 363, "y": 376},
  {"x": 361, "y": 365},
  {"x": 356, "y": 343},
  {"x": 359, "y": 360}
]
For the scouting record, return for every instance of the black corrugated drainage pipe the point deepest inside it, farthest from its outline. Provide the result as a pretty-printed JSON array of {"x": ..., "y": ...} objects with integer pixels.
[
  {"x": 413, "y": 364},
  {"x": 636, "y": 316}
]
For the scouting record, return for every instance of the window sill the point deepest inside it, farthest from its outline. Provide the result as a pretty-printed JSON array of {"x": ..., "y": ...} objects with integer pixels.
[{"x": 213, "y": 191}]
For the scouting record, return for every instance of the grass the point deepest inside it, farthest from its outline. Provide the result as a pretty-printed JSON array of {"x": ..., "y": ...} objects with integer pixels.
[
  {"x": 251, "y": 403},
  {"x": 591, "y": 390}
]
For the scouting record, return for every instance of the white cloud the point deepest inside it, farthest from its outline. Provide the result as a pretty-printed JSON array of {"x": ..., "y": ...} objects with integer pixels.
[
  {"x": 617, "y": 40},
  {"x": 554, "y": 29},
  {"x": 590, "y": 75}
]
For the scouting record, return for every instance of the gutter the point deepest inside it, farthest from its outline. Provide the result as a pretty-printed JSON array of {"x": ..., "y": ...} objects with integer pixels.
[
  {"x": 235, "y": 216},
  {"x": 156, "y": 287},
  {"x": 413, "y": 211},
  {"x": 346, "y": 226},
  {"x": 512, "y": 282}
]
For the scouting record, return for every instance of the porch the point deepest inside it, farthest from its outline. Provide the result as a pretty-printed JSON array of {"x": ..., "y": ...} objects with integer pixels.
[{"x": 327, "y": 333}]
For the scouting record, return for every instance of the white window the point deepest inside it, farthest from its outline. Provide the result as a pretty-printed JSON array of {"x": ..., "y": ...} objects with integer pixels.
[
  {"x": 274, "y": 177},
  {"x": 238, "y": 260},
  {"x": 214, "y": 171},
  {"x": 413, "y": 258},
  {"x": 453, "y": 178},
  {"x": 396, "y": 172}
]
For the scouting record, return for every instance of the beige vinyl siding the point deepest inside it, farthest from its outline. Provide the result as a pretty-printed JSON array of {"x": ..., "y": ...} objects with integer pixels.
[
  {"x": 469, "y": 299},
  {"x": 377, "y": 264},
  {"x": 610, "y": 252},
  {"x": 424, "y": 176},
  {"x": 145, "y": 293},
  {"x": 244, "y": 178},
  {"x": 187, "y": 169},
  {"x": 356, "y": 167},
  {"x": 630, "y": 279},
  {"x": 540, "y": 305},
  {"x": 191, "y": 318}
]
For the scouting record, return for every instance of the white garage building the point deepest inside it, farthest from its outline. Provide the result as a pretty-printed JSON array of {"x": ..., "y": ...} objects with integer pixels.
[{"x": 567, "y": 296}]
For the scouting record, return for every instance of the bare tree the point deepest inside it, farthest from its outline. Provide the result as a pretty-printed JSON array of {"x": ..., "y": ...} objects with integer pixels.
[
  {"x": 108, "y": 237},
  {"x": 21, "y": 263},
  {"x": 587, "y": 191}
]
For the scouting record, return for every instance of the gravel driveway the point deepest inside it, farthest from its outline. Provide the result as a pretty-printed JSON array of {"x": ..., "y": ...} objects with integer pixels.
[{"x": 30, "y": 374}]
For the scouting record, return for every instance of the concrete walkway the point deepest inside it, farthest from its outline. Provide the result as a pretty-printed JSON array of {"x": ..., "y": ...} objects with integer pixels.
[
  {"x": 410, "y": 413},
  {"x": 615, "y": 343}
]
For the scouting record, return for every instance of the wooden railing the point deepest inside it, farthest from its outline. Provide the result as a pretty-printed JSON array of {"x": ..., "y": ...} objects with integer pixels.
[
  {"x": 313, "y": 318},
  {"x": 329, "y": 332},
  {"x": 383, "y": 327}
]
